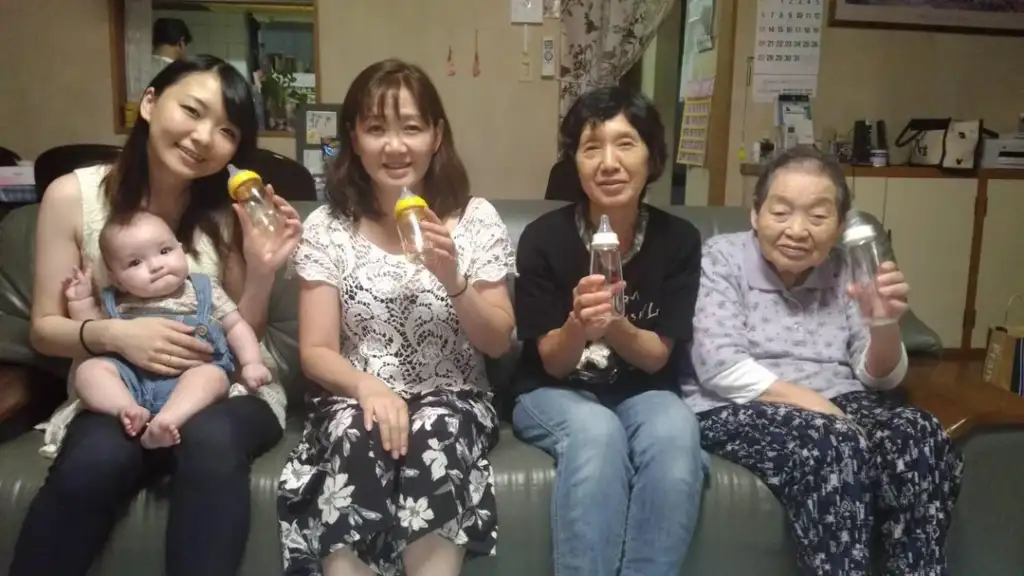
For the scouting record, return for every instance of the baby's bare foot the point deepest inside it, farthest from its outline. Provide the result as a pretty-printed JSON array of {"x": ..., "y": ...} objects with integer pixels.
[
  {"x": 160, "y": 434},
  {"x": 134, "y": 419}
]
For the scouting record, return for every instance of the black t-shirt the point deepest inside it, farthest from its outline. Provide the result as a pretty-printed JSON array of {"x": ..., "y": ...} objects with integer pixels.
[{"x": 662, "y": 280}]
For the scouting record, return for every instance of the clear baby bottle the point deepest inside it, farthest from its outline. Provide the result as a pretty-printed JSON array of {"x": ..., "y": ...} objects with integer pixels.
[
  {"x": 246, "y": 188},
  {"x": 409, "y": 212},
  {"x": 864, "y": 250},
  {"x": 606, "y": 260}
]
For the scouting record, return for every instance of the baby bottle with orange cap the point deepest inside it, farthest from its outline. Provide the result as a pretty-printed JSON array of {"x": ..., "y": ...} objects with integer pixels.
[
  {"x": 410, "y": 210},
  {"x": 246, "y": 188}
]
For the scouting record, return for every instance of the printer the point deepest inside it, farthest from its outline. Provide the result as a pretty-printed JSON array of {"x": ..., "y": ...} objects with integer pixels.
[{"x": 1003, "y": 152}]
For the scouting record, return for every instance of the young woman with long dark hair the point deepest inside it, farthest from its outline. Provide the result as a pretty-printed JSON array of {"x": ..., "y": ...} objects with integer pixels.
[{"x": 195, "y": 117}]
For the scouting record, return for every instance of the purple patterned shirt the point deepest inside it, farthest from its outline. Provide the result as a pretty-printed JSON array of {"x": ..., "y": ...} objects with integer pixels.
[{"x": 750, "y": 330}]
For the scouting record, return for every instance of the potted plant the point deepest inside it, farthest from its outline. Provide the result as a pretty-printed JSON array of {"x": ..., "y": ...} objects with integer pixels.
[{"x": 280, "y": 97}]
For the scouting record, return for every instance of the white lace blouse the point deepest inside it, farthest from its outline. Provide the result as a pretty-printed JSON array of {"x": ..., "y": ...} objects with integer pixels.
[{"x": 398, "y": 323}]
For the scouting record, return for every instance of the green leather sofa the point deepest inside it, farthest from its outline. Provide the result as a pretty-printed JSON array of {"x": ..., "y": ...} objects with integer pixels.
[{"x": 742, "y": 529}]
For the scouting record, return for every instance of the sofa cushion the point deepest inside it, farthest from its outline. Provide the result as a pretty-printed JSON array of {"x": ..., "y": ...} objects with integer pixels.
[
  {"x": 739, "y": 513},
  {"x": 17, "y": 271}
]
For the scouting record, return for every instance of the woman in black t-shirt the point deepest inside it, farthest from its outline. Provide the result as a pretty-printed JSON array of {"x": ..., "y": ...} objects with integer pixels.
[{"x": 600, "y": 393}]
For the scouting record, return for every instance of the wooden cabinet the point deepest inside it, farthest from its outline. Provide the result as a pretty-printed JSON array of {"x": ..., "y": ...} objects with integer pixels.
[
  {"x": 869, "y": 194},
  {"x": 930, "y": 221},
  {"x": 1001, "y": 263}
]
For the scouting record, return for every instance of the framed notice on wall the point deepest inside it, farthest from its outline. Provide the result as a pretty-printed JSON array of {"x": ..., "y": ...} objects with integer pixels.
[
  {"x": 318, "y": 128},
  {"x": 991, "y": 17},
  {"x": 693, "y": 133}
]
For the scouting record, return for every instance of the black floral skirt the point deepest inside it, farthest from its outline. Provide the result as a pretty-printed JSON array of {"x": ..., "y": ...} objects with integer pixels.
[{"x": 340, "y": 489}]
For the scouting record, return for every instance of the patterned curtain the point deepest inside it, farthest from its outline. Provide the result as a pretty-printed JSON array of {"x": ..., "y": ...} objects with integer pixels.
[{"x": 602, "y": 40}]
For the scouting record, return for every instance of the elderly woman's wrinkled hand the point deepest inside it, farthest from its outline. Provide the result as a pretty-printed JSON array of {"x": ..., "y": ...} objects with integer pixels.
[
  {"x": 889, "y": 302},
  {"x": 783, "y": 392}
]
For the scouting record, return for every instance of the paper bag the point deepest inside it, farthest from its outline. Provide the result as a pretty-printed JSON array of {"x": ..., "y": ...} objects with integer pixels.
[{"x": 1004, "y": 356}]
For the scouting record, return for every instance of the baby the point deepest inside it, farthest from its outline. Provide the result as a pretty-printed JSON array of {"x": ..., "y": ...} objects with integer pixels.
[{"x": 149, "y": 276}]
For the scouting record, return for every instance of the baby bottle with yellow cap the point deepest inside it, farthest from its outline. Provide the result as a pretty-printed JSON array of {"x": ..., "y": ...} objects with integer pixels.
[
  {"x": 409, "y": 212},
  {"x": 246, "y": 188}
]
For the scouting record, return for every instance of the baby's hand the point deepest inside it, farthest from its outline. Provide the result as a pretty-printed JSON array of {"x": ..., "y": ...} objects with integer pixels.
[
  {"x": 78, "y": 286},
  {"x": 255, "y": 376}
]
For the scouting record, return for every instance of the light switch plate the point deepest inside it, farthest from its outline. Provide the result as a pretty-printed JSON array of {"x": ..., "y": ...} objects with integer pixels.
[
  {"x": 526, "y": 69},
  {"x": 547, "y": 57},
  {"x": 527, "y": 11}
]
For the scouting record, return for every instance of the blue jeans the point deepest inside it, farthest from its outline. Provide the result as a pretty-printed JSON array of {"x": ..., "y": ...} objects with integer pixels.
[{"x": 628, "y": 482}]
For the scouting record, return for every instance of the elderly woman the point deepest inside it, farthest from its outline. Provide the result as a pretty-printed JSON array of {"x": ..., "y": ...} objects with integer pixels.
[
  {"x": 791, "y": 380},
  {"x": 597, "y": 391}
]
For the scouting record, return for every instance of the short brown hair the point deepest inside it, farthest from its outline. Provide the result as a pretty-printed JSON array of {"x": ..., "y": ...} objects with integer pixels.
[{"x": 349, "y": 188}]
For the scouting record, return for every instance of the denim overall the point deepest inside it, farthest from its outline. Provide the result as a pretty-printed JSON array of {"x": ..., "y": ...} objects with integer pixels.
[{"x": 152, "y": 390}]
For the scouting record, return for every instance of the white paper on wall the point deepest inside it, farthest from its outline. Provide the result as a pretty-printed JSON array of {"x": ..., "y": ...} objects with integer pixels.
[
  {"x": 698, "y": 24},
  {"x": 787, "y": 49},
  {"x": 527, "y": 11}
]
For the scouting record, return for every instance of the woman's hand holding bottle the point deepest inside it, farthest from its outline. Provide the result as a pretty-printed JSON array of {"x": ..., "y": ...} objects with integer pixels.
[
  {"x": 592, "y": 305},
  {"x": 263, "y": 252}
]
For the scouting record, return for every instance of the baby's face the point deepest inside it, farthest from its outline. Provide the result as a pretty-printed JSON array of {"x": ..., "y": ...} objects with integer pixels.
[{"x": 147, "y": 260}]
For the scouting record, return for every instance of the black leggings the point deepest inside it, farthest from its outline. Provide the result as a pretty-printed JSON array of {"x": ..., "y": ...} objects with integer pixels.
[{"x": 99, "y": 469}]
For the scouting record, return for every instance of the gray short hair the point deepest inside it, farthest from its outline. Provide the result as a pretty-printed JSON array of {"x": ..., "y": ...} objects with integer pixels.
[{"x": 810, "y": 159}]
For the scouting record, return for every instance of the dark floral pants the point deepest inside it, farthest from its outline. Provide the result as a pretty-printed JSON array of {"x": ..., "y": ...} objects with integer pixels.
[{"x": 884, "y": 463}]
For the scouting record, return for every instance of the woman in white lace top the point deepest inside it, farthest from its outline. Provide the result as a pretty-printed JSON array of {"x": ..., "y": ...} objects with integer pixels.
[{"x": 392, "y": 467}]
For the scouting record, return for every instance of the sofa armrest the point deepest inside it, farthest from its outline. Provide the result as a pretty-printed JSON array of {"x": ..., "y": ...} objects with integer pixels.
[
  {"x": 918, "y": 337},
  {"x": 14, "y": 389},
  {"x": 954, "y": 393}
]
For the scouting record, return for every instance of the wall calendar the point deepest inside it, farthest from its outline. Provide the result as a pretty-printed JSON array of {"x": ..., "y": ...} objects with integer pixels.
[{"x": 787, "y": 47}]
